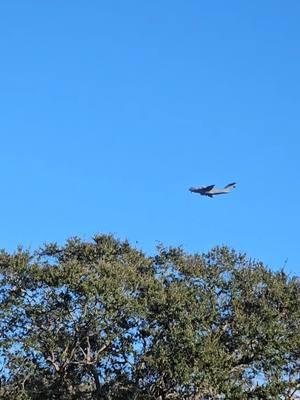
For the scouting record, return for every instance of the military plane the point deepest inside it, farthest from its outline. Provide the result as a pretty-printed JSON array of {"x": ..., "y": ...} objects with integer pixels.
[{"x": 211, "y": 191}]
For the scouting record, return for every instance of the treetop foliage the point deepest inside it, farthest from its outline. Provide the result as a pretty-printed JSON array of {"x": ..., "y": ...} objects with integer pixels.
[{"x": 102, "y": 320}]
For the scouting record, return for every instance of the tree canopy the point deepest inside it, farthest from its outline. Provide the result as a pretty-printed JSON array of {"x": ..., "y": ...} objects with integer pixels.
[{"x": 100, "y": 319}]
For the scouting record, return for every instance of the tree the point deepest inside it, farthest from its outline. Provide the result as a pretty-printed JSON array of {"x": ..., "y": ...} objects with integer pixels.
[{"x": 101, "y": 320}]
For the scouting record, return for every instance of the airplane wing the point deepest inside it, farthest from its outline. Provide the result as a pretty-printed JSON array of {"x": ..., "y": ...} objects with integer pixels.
[{"x": 208, "y": 188}]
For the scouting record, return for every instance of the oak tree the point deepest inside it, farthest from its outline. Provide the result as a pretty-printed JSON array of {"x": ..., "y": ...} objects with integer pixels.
[{"x": 100, "y": 319}]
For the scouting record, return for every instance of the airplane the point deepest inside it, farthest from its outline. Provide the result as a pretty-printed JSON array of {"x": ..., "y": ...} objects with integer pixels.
[{"x": 211, "y": 191}]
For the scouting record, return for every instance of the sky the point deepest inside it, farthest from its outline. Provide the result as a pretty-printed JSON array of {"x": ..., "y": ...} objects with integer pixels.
[{"x": 111, "y": 110}]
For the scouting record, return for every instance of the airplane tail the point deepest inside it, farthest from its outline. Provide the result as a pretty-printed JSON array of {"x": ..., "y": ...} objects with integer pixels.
[{"x": 230, "y": 186}]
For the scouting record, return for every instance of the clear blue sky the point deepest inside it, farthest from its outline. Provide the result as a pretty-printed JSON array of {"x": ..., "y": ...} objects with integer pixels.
[{"x": 111, "y": 110}]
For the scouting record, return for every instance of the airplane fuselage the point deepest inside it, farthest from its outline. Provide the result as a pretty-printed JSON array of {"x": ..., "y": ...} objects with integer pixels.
[{"x": 210, "y": 193}]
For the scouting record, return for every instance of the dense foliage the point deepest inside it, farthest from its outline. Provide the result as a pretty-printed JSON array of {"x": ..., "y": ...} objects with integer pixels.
[{"x": 101, "y": 320}]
